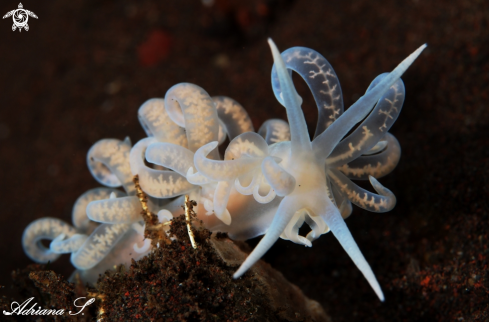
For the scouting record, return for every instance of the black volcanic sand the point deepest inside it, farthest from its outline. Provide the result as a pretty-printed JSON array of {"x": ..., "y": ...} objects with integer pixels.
[
  {"x": 175, "y": 282},
  {"x": 84, "y": 67}
]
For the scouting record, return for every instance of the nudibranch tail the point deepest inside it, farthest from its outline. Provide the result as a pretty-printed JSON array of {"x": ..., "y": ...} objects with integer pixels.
[
  {"x": 298, "y": 129},
  {"x": 324, "y": 144}
]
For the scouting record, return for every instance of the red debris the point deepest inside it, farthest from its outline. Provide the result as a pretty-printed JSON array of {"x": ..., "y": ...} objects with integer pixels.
[{"x": 155, "y": 48}]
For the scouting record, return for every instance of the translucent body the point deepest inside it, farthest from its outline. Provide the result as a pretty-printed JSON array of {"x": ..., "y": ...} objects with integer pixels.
[{"x": 270, "y": 182}]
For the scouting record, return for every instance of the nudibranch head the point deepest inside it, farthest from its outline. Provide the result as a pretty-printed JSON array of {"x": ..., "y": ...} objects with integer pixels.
[
  {"x": 270, "y": 182},
  {"x": 322, "y": 192}
]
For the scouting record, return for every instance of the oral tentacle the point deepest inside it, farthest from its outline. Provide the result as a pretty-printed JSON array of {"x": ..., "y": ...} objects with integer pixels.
[
  {"x": 317, "y": 224},
  {"x": 291, "y": 231},
  {"x": 342, "y": 233},
  {"x": 321, "y": 78},
  {"x": 292, "y": 102},
  {"x": 284, "y": 213},
  {"x": 173, "y": 207},
  {"x": 324, "y": 144},
  {"x": 144, "y": 248}
]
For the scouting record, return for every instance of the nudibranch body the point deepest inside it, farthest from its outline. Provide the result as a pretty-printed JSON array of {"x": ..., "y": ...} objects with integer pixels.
[
  {"x": 269, "y": 182},
  {"x": 107, "y": 225}
]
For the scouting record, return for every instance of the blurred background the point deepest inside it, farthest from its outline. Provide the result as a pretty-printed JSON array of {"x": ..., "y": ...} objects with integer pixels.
[{"x": 84, "y": 67}]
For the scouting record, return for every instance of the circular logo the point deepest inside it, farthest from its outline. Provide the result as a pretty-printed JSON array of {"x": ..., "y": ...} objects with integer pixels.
[{"x": 20, "y": 18}]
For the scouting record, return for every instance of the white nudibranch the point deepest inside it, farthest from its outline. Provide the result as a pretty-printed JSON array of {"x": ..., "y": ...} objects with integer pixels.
[{"x": 270, "y": 182}]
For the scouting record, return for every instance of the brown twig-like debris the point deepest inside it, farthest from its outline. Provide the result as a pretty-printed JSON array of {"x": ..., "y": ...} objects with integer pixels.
[
  {"x": 101, "y": 309},
  {"x": 189, "y": 213},
  {"x": 149, "y": 218},
  {"x": 154, "y": 229}
]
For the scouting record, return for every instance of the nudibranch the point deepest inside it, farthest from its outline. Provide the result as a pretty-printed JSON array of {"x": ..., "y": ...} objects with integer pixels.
[{"x": 268, "y": 182}]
